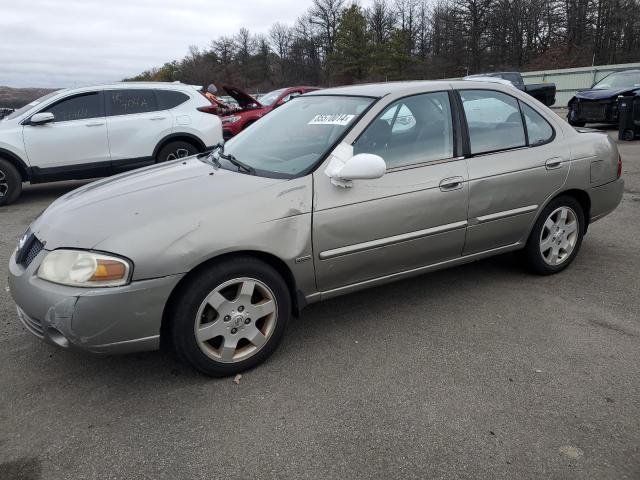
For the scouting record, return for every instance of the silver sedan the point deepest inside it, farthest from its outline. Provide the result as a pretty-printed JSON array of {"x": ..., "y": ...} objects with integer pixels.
[{"x": 335, "y": 191}]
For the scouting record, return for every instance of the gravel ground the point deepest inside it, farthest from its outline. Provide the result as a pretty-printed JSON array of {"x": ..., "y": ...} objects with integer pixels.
[{"x": 478, "y": 372}]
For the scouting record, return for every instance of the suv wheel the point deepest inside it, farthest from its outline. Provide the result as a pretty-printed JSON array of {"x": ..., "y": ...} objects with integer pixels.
[
  {"x": 556, "y": 236},
  {"x": 175, "y": 150},
  {"x": 231, "y": 317},
  {"x": 10, "y": 183}
]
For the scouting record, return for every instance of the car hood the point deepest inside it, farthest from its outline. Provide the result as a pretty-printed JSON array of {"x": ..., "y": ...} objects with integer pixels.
[
  {"x": 243, "y": 98},
  {"x": 602, "y": 94},
  {"x": 161, "y": 200}
]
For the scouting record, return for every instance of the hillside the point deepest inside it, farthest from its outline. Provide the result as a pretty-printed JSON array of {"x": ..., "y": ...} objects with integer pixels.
[{"x": 18, "y": 97}]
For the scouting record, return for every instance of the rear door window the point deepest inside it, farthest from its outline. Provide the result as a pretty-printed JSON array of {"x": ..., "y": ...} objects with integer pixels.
[
  {"x": 494, "y": 121},
  {"x": 130, "y": 102},
  {"x": 168, "y": 99},
  {"x": 538, "y": 129}
]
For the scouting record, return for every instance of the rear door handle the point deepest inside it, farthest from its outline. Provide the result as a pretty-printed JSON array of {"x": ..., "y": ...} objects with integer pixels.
[
  {"x": 94, "y": 124},
  {"x": 451, "y": 183},
  {"x": 157, "y": 118},
  {"x": 553, "y": 163}
]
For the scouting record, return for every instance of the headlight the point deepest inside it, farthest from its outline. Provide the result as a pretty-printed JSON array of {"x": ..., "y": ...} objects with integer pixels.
[
  {"x": 231, "y": 119},
  {"x": 79, "y": 268}
]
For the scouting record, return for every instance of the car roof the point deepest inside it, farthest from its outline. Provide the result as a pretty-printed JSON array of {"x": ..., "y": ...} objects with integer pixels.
[
  {"x": 378, "y": 90},
  {"x": 133, "y": 85}
]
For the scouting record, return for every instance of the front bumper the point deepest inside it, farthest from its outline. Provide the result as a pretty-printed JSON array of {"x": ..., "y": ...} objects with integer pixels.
[
  {"x": 101, "y": 320},
  {"x": 594, "y": 111}
]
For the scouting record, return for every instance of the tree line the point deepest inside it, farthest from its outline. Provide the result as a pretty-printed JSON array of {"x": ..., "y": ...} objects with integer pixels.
[{"x": 336, "y": 42}]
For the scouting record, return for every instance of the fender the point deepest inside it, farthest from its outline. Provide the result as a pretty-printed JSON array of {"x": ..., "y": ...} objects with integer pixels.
[
  {"x": 21, "y": 165},
  {"x": 179, "y": 136}
]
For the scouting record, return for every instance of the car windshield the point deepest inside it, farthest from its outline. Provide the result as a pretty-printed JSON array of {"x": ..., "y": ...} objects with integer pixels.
[
  {"x": 292, "y": 138},
  {"x": 30, "y": 105},
  {"x": 619, "y": 80},
  {"x": 268, "y": 98}
]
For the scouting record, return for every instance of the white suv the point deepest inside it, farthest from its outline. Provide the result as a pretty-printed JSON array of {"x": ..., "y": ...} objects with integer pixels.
[{"x": 102, "y": 130}]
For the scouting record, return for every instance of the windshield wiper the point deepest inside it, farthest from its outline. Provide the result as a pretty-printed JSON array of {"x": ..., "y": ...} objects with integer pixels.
[
  {"x": 209, "y": 154},
  {"x": 236, "y": 162},
  {"x": 227, "y": 156}
]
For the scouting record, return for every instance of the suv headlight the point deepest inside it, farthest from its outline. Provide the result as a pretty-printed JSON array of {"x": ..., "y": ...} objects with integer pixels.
[{"x": 78, "y": 268}]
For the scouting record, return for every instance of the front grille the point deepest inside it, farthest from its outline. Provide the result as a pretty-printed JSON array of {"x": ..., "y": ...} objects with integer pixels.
[
  {"x": 29, "y": 251},
  {"x": 31, "y": 324},
  {"x": 589, "y": 110}
]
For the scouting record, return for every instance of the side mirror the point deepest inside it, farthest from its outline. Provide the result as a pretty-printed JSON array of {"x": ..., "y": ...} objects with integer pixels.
[
  {"x": 42, "y": 118},
  {"x": 362, "y": 166}
]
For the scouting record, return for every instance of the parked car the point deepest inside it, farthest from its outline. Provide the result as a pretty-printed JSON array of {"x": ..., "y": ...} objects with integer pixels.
[
  {"x": 327, "y": 195},
  {"x": 4, "y": 111},
  {"x": 98, "y": 131},
  {"x": 543, "y": 92},
  {"x": 252, "y": 109},
  {"x": 599, "y": 104}
]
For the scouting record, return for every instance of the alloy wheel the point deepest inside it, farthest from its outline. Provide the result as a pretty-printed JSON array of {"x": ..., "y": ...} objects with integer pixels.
[
  {"x": 179, "y": 153},
  {"x": 4, "y": 184},
  {"x": 559, "y": 236},
  {"x": 236, "y": 320}
]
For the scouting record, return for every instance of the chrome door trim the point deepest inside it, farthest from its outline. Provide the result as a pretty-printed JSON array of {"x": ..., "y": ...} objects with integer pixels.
[
  {"x": 383, "y": 242},
  {"x": 505, "y": 214},
  {"x": 334, "y": 292}
]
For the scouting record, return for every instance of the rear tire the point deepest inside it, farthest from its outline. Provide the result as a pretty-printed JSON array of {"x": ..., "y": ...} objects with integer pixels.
[
  {"x": 175, "y": 150},
  {"x": 10, "y": 183},
  {"x": 230, "y": 317},
  {"x": 556, "y": 237}
]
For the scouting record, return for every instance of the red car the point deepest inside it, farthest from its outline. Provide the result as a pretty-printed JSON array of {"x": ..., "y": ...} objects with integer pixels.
[{"x": 252, "y": 109}]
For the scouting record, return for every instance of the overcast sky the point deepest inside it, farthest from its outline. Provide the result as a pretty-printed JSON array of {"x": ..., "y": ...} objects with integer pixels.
[{"x": 62, "y": 43}]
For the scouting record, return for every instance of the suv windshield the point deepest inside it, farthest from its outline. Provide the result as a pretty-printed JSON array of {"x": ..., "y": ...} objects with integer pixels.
[
  {"x": 30, "y": 105},
  {"x": 619, "y": 80},
  {"x": 292, "y": 138},
  {"x": 268, "y": 98}
]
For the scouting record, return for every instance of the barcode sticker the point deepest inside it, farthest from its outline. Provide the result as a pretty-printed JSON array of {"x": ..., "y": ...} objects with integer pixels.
[{"x": 339, "y": 119}]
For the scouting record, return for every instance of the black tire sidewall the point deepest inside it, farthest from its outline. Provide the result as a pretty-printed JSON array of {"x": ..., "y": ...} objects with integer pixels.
[
  {"x": 532, "y": 249},
  {"x": 172, "y": 147},
  {"x": 188, "y": 300},
  {"x": 13, "y": 179}
]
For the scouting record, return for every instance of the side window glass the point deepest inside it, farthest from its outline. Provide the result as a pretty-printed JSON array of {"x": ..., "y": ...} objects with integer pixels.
[
  {"x": 128, "y": 102},
  {"x": 78, "y": 107},
  {"x": 493, "y": 119},
  {"x": 404, "y": 121},
  {"x": 413, "y": 130},
  {"x": 538, "y": 128},
  {"x": 168, "y": 99}
]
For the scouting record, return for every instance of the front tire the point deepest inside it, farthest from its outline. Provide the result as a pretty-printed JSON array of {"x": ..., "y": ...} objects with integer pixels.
[
  {"x": 10, "y": 183},
  {"x": 230, "y": 317},
  {"x": 629, "y": 135},
  {"x": 556, "y": 237},
  {"x": 175, "y": 150}
]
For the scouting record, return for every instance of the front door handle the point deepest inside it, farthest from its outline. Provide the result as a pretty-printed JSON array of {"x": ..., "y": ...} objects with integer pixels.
[
  {"x": 94, "y": 124},
  {"x": 553, "y": 163},
  {"x": 451, "y": 183},
  {"x": 157, "y": 118}
]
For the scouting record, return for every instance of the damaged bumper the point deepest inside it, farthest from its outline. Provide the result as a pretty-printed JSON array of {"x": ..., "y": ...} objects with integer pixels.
[{"x": 101, "y": 320}]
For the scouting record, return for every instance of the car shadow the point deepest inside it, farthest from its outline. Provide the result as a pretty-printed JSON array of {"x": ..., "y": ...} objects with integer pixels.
[
  {"x": 44, "y": 192},
  {"x": 364, "y": 310}
]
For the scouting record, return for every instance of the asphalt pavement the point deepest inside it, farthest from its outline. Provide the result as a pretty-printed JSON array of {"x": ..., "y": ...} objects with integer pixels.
[{"x": 484, "y": 371}]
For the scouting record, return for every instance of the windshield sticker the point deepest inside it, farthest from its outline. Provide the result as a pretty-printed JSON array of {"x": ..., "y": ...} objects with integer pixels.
[{"x": 340, "y": 119}]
